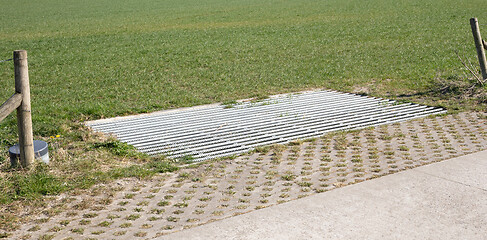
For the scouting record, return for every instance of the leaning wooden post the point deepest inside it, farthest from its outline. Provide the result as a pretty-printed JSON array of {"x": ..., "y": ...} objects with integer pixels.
[
  {"x": 24, "y": 117},
  {"x": 478, "y": 44}
]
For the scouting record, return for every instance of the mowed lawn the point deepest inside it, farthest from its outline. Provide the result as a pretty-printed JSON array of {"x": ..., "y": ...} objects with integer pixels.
[{"x": 101, "y": 58}]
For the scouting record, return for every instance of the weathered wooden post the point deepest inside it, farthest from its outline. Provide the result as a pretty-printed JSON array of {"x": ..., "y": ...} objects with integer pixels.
[
  {"x": 479, "y": 45},
  {"x": 24, "y": 117}
]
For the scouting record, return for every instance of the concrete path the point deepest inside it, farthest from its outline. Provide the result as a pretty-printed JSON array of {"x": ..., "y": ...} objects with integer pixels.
[{"x": 445, "y": 200}]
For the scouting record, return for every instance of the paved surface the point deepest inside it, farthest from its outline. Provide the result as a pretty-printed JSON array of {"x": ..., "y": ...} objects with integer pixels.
[
  {"x": 272, "y": 175},
  {"x": 445, "y": 200}
]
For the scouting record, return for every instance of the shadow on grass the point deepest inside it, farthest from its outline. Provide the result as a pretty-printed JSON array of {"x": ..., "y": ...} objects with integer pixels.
[{"x": 453, "y": 93}]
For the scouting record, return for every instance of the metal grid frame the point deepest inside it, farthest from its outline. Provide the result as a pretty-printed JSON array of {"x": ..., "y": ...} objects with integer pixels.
[{"x": 213, "y": 131}]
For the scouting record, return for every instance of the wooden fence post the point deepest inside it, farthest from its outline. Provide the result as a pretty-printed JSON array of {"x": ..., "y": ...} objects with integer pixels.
[
  {"x": 479, "y": 45},
  {"x": 24, "y": 117}
]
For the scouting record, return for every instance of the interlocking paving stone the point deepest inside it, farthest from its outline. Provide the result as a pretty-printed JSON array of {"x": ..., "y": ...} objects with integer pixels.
[{"x": 214, "y": 190}]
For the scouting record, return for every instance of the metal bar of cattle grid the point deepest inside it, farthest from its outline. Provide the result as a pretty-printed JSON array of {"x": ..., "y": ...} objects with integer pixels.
[{"x": 213, "y": 131}]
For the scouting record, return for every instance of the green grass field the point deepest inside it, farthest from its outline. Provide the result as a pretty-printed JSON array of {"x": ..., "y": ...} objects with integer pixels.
[
  {"x": 98, "y": 58},
  {"x": 92, "y": 59}
]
